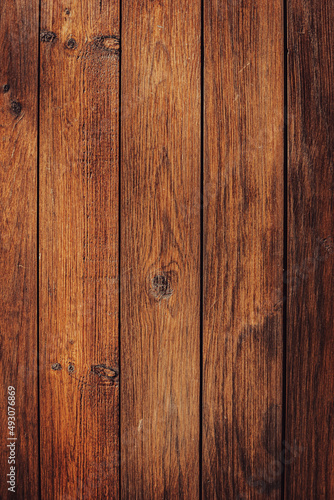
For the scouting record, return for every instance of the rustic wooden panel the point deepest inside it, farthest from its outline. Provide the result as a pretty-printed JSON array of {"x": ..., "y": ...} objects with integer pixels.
[
  {"x": 160, "y": 241},
  {"x": 243, "y": 248},
  {"x": 310, "y": 340},
  {"x": 80, "y": 50},
  {"x": 18, "y": 242}
]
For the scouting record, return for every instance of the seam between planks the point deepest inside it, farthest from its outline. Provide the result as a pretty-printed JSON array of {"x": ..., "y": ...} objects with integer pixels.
[
  {"x": 201, "y": 259},
  {"x": 38, "y": 250},
  {"x": 119, "y": 249},
  {"x": 285, "y": 232}
]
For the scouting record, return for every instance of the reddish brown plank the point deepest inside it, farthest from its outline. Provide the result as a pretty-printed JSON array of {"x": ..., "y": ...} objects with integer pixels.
[
  {"x": 310, "y": 339},
  {"x": 79, "y": 249},
  {"x": 18, "y": 244},
  {"x": 160, "y": 241},
  {"x": 243, "y": 248}
]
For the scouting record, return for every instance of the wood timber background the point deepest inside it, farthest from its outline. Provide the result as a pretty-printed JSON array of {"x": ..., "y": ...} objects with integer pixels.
[{"x": 167, "y": 248}]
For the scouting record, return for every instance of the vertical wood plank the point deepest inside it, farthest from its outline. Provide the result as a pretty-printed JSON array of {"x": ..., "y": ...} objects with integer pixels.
[
  {"x": 160, "y": 231},
  {"x": 243, "y": 248},
  {"x": 310, "y": 340},
  {"x": 18, "y": 243},
  {"x": 79, "y": 154}
]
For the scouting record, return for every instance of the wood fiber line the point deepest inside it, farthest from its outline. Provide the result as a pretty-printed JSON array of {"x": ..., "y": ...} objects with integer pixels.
[
  {"x": 18, "y": 242},
  {"x": 310, "y": 284},
  {"x": 243, "y": 249},
  {"x": 160, "y": 241},
  {"x": 79, "y": 154}
]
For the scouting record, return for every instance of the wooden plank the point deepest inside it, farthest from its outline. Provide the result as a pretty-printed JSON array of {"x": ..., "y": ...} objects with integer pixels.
[
  {"x": 243, "y": 248},
  {"x": 18, "y": 244},
  {"x": 160, "y": 241},
  {"x": 310, "y": 340},
  {"x": 79, "y": 152}
]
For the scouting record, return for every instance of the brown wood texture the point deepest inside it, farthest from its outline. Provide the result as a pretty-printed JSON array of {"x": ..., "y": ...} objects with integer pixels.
[
  {"x": 310, "y": 313},
  {"x": 243, "y": 248},
  {"x": 149, "y": 200},
  {"x": 18, "y": 241},
  {"x": 160, "y": 249},
  {"x": 79, "y": 154}
]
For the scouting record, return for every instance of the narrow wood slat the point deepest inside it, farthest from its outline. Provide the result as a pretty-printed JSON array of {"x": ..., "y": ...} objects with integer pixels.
[
  {"x": 310, "y": 338},
  {"x": 160, "y": 242},
  {"x": 79, "y": 388},
  {"x": 243, "y": 248},
  {"x": 18, "y": 242}
]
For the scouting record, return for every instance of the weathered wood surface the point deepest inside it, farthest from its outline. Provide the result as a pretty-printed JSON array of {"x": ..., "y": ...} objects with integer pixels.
[
  {"x": 310, "y": 283},
  {"x": 18, "y": 242},
  {"x": 79, "y": 154},
  {"x": 117, "y": 186},
  {"x": 243, "y": 248},
  {"x": 160, "y": 249}
]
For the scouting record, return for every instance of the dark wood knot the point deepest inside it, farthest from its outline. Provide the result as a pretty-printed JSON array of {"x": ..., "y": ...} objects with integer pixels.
[
  {"x": 108, "y": 43},
  {"x": 71, "y": 368},
  {"x": 106, "y": 373},
  {"x": 56, "y": 366},
  {"x": 16, "y": 108},
  {"x": 47, "y": 36},
  {"x": 161, "y": 286},
  {"x": 71, "y": 44}
]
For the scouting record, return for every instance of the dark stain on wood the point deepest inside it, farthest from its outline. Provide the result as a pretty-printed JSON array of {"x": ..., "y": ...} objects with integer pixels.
[
  {"x": 268, "y": 435},
  {"x": 243, "y": 158},
  {"x": 310, "y": 283}
]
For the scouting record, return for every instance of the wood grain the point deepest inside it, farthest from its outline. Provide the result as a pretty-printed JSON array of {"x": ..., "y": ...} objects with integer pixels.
[
  {"x": 160, "y": 258},
  {"x": 310, "y": 340},
  {"x": 18, "y": 241},
  {"x": 243, "y": 248},
  {"x": 79, "y": 153}
]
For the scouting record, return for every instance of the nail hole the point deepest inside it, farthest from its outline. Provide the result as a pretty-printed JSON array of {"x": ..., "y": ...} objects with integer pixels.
[
  {"x": 71, "y": 368},
  {"x": 5, "y": 88},
  {"x": 108, "y": 43}
]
